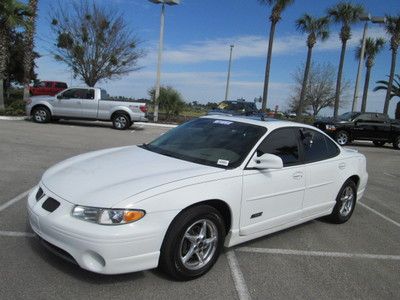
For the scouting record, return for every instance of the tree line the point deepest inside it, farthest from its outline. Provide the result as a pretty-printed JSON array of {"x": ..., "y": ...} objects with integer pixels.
[{"x": 346, "y": 14}]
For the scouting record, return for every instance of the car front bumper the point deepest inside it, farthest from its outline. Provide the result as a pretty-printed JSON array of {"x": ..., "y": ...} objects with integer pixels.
[{"x": 105, "y": 249}]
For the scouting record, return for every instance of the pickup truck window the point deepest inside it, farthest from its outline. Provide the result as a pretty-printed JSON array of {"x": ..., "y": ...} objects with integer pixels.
[{"x": 78, "y": 94}]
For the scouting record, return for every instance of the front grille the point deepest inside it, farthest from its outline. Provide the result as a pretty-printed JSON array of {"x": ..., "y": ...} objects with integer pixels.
[
  {"x": 39, "y": 194},
  {"x": 58, "y": 251},
  {"x": 50, "y": 204}
]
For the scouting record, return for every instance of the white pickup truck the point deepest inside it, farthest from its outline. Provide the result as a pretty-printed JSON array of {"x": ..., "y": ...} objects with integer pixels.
[{"x": 86, "y": 104}]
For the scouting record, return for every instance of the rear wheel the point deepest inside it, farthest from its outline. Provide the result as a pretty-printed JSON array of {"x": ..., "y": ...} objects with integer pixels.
[
  {"x": 345, "y": 203},
  {"x": 379, "y": 143},
  {"x": 121, "y": 121},
  {"x": 396, "y": 143},
  {"x": 342, "y": 138},
  {"x": 193, "y": 243},
  {"x": 41, "y": 114}
]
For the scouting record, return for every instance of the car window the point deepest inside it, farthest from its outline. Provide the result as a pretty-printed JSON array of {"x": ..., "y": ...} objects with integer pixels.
[
  {"x": 61, "y": 85},
  {"x": 364, "y": 118},
  {"x": 317, "y": 146},
  {"x": 282, "y": 142},
  {"x": 78, "y": 94},
  {"x": 40, "y": 84},
  {"x": 49, "y": 84}
]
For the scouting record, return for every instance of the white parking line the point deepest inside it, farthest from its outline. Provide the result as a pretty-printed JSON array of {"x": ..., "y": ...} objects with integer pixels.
[
  {"x": 14, "y": 200},
  {"x": 237, "y": 276},
  {"x": 16, "y": 234},
  {"x": 390, "y": 175},
  {"x": 155, "y": 124},
  {"x": 318, "y": 253},
  {"x": 379, "y": 214}
]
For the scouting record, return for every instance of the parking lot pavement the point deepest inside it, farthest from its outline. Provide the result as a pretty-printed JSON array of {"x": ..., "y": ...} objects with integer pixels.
[{"x": 359, "y": 259}]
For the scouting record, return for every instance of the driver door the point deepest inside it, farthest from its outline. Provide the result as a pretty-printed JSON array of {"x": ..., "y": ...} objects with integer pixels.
[
  {"x": 272, "y": 198},
  {"x": 68, "y": 103}
]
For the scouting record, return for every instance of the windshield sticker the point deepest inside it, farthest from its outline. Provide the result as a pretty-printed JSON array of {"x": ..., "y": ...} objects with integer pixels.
[
  {"x": 223, "y": 162},
  {"x": 222, "y": 122}
]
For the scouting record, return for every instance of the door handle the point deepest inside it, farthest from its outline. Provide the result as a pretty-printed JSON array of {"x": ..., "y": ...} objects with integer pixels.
[
  {"x": 297, "y": 175},
  {"x": 342, "y": 166}
]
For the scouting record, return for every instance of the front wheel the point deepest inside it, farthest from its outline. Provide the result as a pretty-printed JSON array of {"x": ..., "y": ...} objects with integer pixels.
[
  {"x": 193, "y": 243},
  {"x": 121, "y": 121},
  {"x": 41, "y": 115},
  {"x": 342, "y": 138},
  {"x": 345, "y": 203}
]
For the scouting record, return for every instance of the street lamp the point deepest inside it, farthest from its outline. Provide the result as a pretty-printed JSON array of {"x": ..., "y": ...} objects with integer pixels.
[
  {"x": 160, "y": 48},
  {"x": 229, "y": 74},
  {"x": 366, "y": 19}
]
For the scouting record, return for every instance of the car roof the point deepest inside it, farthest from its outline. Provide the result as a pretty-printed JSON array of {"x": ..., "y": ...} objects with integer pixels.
[{"x": 269, "y": 123}]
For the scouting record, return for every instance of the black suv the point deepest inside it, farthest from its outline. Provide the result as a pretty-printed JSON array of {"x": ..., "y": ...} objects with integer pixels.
[{"x": 375, "y": 127}]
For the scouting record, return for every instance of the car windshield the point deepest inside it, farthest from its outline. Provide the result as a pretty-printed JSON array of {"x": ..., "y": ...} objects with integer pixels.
[
  {"x": 213, "y": 142},
  {"x": 349, "y": 116}
]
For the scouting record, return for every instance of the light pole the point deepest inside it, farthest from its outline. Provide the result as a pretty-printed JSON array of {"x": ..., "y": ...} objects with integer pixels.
[
  {"x": 229, "y": 73},
  {"x": 366, "y": 18},
  {"x": 160, "y": 49}
]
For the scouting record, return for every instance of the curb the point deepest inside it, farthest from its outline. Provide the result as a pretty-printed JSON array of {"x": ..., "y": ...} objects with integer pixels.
[
  {"x": 155, "y": 124},
  {"x": 9, "y": 118}
]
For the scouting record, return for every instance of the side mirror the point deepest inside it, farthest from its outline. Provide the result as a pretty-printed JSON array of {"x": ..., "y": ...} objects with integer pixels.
[
  {"x": 59, "y": 97},
  {"x": 265, "y": 161}
]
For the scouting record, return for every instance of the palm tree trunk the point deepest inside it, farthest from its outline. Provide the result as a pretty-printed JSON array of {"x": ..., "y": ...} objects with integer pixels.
[
  {"x": 29, "y": 45},
  {"x": 390, "y": 82},
  {"x": 268, "y": 66},
  {"x": 365, "y": 93},
  {"x": 305, "y": 80},
  {"x": 3, "y": 60},
  {"x": 339, "y": 79}
]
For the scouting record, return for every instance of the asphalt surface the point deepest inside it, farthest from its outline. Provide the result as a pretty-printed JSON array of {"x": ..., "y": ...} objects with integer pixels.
[{"x": 359, "y": 259}]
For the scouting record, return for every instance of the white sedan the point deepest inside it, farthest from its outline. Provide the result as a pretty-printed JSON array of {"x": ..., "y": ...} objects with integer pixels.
[{"x": 175, "y": 202}]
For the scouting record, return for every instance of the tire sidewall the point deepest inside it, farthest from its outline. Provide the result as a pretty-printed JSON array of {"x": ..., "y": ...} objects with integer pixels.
[
  {"x": 46, "y": 110},
  {"x": 336, "y": 216},
  {"x": 343, "y": 132},
  {"x": 171, "y": 245}
]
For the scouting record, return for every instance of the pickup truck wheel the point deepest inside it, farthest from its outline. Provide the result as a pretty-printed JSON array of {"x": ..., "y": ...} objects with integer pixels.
[
  {"x": 121, "y": 121},
  {"x": 193, "y": 243},
  {"x": 342, "y": 137},
  {"x": 41, "y": 115},
  {"x": 396, "y": 143},
  {"x": 345, "y": 203},
  {"x": 379, "y": 143}
]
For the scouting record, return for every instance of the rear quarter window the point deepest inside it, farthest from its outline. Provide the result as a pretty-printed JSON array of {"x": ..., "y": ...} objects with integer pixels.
[{"x": 316, "y": 146}]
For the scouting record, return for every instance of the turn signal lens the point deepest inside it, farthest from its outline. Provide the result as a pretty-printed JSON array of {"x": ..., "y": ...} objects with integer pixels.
[{"x": 133, "y": 215}]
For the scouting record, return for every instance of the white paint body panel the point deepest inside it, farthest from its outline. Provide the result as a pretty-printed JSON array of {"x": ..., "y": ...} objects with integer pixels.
[{"x": 131, "y": 177}]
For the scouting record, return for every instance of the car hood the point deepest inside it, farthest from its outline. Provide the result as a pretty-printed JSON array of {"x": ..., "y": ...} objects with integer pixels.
[{"x": 104, "y": 178}]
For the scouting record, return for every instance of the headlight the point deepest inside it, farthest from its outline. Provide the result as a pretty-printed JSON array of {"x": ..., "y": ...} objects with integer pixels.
[
  {"x": 330, "y": 127},
  {"x": 107, "y": 216}
]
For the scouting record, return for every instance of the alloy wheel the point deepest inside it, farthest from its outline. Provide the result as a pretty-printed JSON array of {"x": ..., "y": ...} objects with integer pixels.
[{"x": 347, "y": 200}]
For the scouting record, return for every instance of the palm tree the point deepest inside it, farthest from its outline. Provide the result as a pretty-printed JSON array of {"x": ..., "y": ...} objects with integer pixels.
[
  {"x": 393, "y": 29},
  {"x": 344, "y": 13},
  {"x": 29, "y": 45},
  {"x": 372, "y": 48},
  {"x": 278, "y": 6},
  {"x": 316, "y": 28},
  {"x": 12, "y": 14},
  {"x": 394, "y": 91}
]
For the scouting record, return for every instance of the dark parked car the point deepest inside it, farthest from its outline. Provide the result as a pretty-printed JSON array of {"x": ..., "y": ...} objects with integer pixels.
[
  {"x": 48, "y": 88},
  {"x": 236, "y": 108},
  {"x": 375, "y": 127}
]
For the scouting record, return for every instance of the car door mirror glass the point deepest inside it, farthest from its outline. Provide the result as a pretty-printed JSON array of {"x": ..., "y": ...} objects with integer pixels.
[{"x": 265, "y": 161}]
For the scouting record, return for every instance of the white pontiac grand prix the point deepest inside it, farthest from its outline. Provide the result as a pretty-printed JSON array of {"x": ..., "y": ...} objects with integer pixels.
[{"x": 175, "y": 202}]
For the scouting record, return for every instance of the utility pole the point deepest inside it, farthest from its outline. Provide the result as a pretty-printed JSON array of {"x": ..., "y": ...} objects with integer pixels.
[{"x": 229, "y": 74}]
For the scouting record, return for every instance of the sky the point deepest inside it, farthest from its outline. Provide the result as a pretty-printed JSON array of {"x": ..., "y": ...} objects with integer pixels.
[{"x": 196, "y": 49}]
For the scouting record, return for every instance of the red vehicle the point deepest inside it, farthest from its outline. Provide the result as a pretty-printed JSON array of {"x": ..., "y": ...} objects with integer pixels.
[{"x": 50, "y": 88}]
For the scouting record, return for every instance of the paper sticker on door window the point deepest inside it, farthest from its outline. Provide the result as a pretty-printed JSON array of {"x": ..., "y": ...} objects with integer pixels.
[
  {"x": 223, "y": 162},
  {"x": 222, "y": 122}
]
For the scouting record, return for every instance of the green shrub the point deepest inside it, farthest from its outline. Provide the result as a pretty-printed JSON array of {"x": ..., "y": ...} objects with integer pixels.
[{"x": 15, "y": 108}]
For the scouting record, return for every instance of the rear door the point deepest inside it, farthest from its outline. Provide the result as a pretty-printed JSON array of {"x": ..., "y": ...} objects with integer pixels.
[
  {"x": 274, "y": 197},
  {"x": 89, "y": 104},
  {"x": 322, "y": 171}
]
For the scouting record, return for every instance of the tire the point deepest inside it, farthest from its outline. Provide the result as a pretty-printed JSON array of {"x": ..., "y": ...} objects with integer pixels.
[
  {"x": 185, "y": 235},
  {"x": 379, "y": 143},
  {"x": 345, "y": 203},
  {"x": 121, "y": 121},
  {"x": 41, "y": 114},
  {"x": 396, "y": 142},
  {"x": 342, "y": 137}
]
